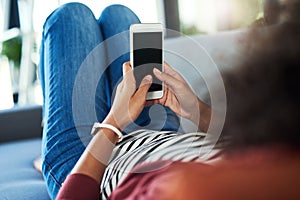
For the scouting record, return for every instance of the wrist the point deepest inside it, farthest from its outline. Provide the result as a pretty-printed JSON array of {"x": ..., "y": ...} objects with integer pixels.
[
  {"x": 196, "y": 111},
  {"x": 110, "y": 120},
  {"x": 111, "y": 132},
  {"x": 110, "y": 128},
  {"x": 205, "y": 118}
]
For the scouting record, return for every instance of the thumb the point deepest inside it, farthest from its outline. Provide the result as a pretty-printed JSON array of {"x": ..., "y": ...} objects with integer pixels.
[
  {"x": 126, "y": 68},
  {"x": 144, "y": 87}
]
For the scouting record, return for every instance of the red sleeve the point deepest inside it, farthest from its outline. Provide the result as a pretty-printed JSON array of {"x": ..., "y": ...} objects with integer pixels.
[
  {"x": 79, "y": 186},
  {"x": 251, "y": 177},
  {"x": 149, "y": 181}
]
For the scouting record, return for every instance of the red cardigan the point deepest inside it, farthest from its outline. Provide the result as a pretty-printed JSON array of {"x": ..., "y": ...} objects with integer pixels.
[{"x": 260, "y": 174}]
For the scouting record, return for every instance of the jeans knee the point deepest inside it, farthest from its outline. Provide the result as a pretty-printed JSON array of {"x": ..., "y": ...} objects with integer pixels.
[
  {"x": 72, "y": 13},
  {"x": 118, "y": 9}
]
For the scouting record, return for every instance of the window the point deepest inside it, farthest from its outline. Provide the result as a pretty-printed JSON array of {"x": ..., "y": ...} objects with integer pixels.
[
  {"x": 211, "y": 16},
  {"x": 32, "y": 17},
  {"x": 148, "y": 11},
  {"x": 188, "y": 16}
]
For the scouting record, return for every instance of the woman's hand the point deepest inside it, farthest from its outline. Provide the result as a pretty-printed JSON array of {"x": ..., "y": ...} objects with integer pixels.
[
  {"x": 128, "y": 102},
  {"x": 179, "y": 97},
  {"x": 127, "y": 105}
]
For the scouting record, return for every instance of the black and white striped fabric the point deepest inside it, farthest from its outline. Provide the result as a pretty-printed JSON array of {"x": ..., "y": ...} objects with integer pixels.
[{"x": 149, "y": 146}]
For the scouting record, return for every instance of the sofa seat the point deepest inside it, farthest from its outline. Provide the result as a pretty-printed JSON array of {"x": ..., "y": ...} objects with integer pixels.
[{"x": 18, "y": 178}]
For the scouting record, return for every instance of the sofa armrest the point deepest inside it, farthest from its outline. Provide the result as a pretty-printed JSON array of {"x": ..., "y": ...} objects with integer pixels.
[{"x": 20, "y": 123}]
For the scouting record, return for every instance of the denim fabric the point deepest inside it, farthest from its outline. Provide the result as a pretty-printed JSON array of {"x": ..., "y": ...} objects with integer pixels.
[{"x": 78, "y": 86}]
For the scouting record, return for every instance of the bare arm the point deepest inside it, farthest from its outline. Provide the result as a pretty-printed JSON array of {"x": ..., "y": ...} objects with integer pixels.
[
  {"x": 94, "y": 159},
  {"x": 127, "y": 105},
  {"x": 205, "y": 116}
]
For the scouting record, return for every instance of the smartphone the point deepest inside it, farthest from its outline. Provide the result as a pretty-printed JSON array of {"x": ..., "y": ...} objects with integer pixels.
[{"x": 146, "y": 53}]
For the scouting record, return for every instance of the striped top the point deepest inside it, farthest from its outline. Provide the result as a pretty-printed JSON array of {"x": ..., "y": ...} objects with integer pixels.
[{"x": 145, "y": 146}]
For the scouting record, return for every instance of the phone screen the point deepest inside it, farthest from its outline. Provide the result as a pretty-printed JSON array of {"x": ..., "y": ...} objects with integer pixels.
[{"x": 147, "y": 54}]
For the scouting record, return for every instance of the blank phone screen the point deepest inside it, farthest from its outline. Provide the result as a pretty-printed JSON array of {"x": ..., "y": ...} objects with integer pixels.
[{"x": 147, "y": 54}]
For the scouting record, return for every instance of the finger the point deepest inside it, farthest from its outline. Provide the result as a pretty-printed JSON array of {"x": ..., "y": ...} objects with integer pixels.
[
  {"x": 169, "y": 70},
  {"x": 128, "y": 75},
  {"x": 161, "y": 101},
  {"x": 168, "y": 79},
  {"x": 126, "y": 67},
  {"x": 128, "y": 84},
  {"x": 150, "y": 103},
  {"x": 144, "y": 87}
]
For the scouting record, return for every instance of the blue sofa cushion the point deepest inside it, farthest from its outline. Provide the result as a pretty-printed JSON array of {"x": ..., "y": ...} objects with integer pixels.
[{"x": 18, "y": 178}]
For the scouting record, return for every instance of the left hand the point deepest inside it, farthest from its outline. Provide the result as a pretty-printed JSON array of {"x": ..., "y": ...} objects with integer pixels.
[
  {"x": 178, "y": 96},
  {"x": 128, "y": 102}
]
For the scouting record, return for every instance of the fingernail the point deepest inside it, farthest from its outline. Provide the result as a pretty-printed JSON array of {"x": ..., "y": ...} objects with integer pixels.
[
  {"x": 155, "y": 70},
  {"x": 148, "y": 78}
]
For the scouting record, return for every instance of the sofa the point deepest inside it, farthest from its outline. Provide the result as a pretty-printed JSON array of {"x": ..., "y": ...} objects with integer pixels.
[
  {"x": 20, "y": 145},
  {"x": 20, "y": 131}
]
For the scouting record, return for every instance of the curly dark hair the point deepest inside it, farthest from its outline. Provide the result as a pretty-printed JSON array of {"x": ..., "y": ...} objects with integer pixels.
[{"x": 263, "y": 93}]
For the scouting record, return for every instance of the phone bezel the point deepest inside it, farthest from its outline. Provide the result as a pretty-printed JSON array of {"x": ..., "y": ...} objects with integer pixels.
[{"x": 144, "y": 28}]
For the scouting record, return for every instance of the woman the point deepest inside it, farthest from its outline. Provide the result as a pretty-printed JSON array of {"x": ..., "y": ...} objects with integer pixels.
[
  {"x": 71, "y": 97},
  {"x": 73, "y": 59}
]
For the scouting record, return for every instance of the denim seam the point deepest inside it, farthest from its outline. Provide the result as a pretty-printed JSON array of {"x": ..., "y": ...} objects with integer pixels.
[{"x": 52, "y": 175}]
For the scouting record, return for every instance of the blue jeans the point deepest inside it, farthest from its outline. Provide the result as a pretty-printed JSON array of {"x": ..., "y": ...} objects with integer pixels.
[{"x": 80, "y": 66}]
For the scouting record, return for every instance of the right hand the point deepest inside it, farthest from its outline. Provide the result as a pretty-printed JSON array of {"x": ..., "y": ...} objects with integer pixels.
[
  {"x": 177, "y": 94},
  {"x": 128, "y": 102}
]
